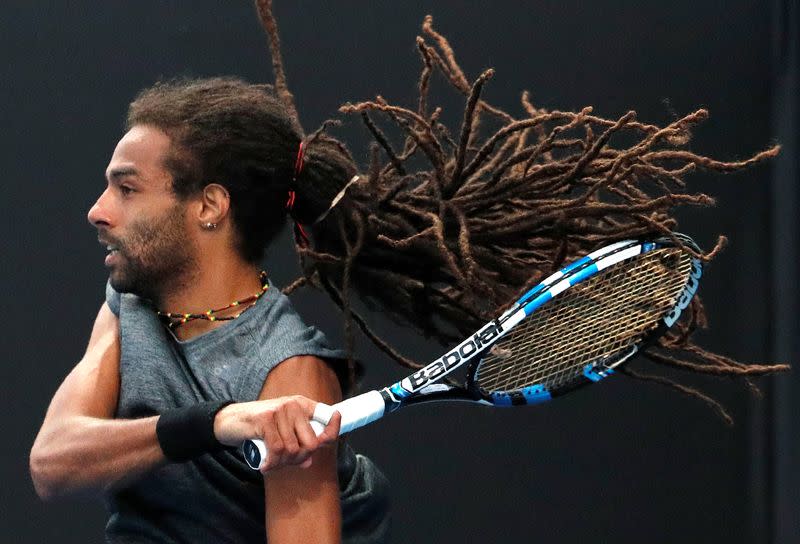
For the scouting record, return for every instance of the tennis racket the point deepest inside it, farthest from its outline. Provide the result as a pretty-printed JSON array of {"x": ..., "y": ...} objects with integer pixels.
[{"x": 570, "y": 330}]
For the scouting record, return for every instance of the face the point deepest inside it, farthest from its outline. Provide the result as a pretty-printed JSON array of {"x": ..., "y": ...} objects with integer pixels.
[{"x": 140, "y": 220}]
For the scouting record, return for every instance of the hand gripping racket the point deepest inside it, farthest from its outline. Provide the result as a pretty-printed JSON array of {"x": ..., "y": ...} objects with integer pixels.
[{"x": 572, "y": 329}]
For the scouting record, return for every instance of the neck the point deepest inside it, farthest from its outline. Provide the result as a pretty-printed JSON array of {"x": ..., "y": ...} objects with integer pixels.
[{"x": 213, "y": 284}]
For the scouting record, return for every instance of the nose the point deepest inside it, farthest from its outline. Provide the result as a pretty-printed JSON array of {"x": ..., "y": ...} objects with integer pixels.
[{"x": 99, "y": 212}]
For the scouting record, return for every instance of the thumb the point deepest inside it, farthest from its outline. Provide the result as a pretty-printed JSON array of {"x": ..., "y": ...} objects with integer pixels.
[
  {"x": 323, "y": 413},
  {"x": 331, "y": 431}
]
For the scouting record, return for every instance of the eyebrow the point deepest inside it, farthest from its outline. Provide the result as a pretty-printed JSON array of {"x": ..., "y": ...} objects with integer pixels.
[{"x": 116, "y": 174}]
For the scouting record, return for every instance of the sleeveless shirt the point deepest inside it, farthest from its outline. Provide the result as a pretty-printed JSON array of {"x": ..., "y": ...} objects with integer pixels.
[{"x": 217, "y": 497}]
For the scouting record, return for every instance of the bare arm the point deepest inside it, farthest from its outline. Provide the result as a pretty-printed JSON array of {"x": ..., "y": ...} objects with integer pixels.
[
  {"x": 303, "y": 503},
  {"x": 80, "y": 446}
]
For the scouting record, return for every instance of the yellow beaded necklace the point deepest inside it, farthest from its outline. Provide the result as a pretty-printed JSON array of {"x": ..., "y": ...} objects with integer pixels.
[{"x": 175, "y": 319}]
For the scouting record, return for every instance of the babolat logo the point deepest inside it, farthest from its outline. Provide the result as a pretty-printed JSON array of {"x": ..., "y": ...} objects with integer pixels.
[
  {"x": 686, "y": 295},
  {"x": 452, "y": 359}
]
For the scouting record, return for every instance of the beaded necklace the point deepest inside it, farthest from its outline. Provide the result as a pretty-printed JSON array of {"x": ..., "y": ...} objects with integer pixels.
[{"x": 173, "y": 319}]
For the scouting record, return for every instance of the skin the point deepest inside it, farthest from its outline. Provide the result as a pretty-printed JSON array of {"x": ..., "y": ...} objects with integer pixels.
[{"x": 165, "y": 253}]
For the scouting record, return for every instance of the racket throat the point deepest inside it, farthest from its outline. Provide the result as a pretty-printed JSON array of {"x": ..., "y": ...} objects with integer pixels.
[{"x": 471, "y": 348}]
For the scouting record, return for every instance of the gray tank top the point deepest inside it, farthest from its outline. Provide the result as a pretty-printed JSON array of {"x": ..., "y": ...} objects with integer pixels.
[{"x": 217, "y": 497}]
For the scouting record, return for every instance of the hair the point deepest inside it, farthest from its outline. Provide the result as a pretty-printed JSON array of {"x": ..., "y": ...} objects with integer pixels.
[
  {"x": 445, "y": 246},
  {"x": 239, "y": 135}
]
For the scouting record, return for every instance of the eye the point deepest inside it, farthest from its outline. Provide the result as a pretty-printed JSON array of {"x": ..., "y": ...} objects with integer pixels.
[{"x": 126, "y": 190}]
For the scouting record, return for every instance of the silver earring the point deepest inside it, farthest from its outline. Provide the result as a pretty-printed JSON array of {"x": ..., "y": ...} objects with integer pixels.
[{"x": 210, "y": 226}]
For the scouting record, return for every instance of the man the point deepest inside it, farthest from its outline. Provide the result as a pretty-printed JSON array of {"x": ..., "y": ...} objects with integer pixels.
[{"x": 174, "y": 370}]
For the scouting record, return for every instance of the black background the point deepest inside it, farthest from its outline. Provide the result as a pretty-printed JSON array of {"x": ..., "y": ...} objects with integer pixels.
[{"x": 624, "y": 462}]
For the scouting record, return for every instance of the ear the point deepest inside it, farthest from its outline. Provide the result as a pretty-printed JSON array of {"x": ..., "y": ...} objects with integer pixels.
[{"x": 214, "y": 204}]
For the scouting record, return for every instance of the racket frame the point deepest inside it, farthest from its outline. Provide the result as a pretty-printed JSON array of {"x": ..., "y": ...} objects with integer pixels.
[{"x": 425, "y": 385}]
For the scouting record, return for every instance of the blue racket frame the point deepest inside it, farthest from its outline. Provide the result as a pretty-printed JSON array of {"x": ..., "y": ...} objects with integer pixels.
[{"x": 423, "y": 385}]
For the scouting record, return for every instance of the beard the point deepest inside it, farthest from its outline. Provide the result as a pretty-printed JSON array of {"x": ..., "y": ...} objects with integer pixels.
[{"x": 153, "y": 257}]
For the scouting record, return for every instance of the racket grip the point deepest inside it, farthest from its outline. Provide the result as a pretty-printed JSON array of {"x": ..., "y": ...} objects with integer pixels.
[
  {"x": 360, "y": 410},
  {"x": 356, "y": 412}
]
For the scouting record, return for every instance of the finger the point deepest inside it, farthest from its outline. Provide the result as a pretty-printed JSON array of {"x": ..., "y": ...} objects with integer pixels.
[
  {"x": 323, "y": 413},
  {"x": 285, "y": 419},
  {"x": 331, "y": 432},
  {"x": 273, "y": 442},
  {"x": 306, "y": 404},
  {"x": 305, "y": 434}
]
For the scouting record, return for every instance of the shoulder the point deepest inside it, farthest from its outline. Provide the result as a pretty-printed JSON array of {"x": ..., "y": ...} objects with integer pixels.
[
  {"x": 282, "y": 333},
  {"x": 282, "y": 339},
  {"x": 305, "y": 375}
]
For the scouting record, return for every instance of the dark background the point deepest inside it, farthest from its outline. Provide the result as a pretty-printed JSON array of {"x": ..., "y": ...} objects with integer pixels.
[{"x": 625, "y": 462}]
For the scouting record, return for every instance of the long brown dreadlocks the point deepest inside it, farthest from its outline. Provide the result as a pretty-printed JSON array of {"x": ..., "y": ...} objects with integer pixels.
[{"x": 446, "y": 247}]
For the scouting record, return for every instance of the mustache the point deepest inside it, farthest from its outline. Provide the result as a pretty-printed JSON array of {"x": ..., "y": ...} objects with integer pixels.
[{"x": 106, "y": 240}]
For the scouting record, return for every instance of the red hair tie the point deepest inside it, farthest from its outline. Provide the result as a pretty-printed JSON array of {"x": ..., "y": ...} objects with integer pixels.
[
  {"x": 298, "y": 167},
  {"x": 298, "y": 162}
]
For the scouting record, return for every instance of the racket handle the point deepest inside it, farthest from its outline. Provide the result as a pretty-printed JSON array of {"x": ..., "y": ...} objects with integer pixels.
[{"x": 356, "y": 412}]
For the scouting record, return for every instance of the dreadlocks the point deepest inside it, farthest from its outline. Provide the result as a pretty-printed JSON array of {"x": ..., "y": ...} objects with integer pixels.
[{"x": 445, "y": 247}]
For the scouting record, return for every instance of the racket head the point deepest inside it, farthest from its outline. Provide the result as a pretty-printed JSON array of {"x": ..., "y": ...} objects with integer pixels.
[{"x": 577, "y": 325}]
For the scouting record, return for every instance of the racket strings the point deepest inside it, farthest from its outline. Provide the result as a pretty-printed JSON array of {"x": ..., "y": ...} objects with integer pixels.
[
  {"x": 593, "y": 321},
  {"x": 616, "y": 328}
]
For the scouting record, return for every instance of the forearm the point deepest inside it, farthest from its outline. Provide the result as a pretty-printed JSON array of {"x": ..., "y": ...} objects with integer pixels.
[{"x": 80, "y": 453}]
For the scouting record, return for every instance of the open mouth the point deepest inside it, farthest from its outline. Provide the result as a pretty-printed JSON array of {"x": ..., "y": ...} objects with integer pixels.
[{"x": 112, "y": 251}]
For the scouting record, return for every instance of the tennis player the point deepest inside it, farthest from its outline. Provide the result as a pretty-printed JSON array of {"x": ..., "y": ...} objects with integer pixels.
[{"x": 194, "y": 350}]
